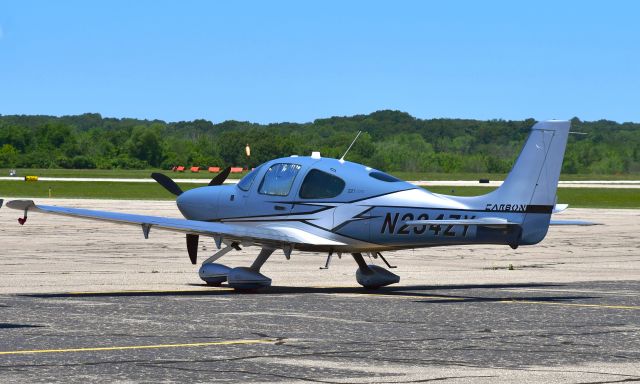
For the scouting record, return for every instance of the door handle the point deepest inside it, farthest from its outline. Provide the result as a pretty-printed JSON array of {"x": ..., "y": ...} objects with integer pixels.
[{"x": 279, "y": 208}]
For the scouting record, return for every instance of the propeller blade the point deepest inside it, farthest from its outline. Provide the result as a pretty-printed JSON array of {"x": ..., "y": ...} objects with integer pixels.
[
  {"x": 192, "y": 247},
  {"x": 220, "y": 177},
  {"x": 167, "y": 183}
]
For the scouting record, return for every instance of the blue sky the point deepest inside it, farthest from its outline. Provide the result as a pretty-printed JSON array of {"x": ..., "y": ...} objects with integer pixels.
[{"x": 274, "y": 61}]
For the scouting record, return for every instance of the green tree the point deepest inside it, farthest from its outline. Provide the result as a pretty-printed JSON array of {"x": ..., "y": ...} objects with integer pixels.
[
  {"x": 392, "y": 140},
  {"x": 145, "y": 144},
  {"x": 8, "y": 156}
]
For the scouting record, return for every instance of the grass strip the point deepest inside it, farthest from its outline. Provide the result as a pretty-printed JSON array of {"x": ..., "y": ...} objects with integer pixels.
[{"x": 575, "y": 197}]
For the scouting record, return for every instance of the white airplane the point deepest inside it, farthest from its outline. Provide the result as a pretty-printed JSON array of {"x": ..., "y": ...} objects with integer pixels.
[{"x": 316, "y": 204}]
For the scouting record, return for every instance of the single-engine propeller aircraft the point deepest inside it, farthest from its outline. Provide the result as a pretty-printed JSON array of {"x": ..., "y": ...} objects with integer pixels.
[{"x": 316, "y": 204}]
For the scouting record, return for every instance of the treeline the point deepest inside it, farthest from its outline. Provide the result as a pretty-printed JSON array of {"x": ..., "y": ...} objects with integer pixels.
[{"x": 392, "y": 141}]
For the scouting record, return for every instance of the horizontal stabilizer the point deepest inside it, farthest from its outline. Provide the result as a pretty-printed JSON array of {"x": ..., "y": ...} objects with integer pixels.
[
  {"x": 572, "y": 222},
  {"x": 484, "y": 222},
  {"x": 560, "y": 208}
]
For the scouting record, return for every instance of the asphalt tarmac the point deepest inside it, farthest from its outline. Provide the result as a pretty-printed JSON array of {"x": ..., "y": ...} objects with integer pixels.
[
  {"x": 460, "y": 333},
  {"x": 86, "y": 302}
]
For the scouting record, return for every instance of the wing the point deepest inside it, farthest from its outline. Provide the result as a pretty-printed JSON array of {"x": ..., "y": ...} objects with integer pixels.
[
  {"x": 276, "y": 236},
  {"x": 483, "y": 222}
]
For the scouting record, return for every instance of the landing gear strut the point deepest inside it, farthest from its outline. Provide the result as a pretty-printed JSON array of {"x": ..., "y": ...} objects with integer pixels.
[
  {"x": 372, "y": 276},
  {"x": 213, "y": 273}
]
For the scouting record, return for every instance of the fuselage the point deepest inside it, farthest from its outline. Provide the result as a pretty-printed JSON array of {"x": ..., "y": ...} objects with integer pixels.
[{"x": 349, "y": 202}]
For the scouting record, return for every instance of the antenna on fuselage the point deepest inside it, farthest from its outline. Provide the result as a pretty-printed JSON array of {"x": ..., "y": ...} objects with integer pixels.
[{"x": 353, "y": 142}]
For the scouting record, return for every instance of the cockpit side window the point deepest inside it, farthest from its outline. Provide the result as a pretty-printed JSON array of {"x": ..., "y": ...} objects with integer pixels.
[
  {"x": 321, "y": 185},
  {"x": 279, "y": 179},
  {"x": 247, "y": 181},
  {"x": 383, "y": 177}
]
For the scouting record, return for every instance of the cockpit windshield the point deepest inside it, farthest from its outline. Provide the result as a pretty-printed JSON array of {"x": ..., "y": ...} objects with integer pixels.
[{"x": 247, "y": 180}]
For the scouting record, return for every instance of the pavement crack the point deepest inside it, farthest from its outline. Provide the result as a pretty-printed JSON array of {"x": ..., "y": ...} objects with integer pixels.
[
  {"x": 627, "y": 380},
  {"x": 242, "y": 371},
  {"x": 438, "y": 379}
]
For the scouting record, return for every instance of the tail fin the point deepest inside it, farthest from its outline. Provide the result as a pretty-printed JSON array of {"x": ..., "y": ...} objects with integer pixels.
[
  {"x": 534, "y": 177},
  {"x": 533, "y": 181}
]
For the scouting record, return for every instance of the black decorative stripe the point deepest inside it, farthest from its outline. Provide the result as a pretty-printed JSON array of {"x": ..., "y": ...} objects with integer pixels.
[
  {"x": 528, "y": 209},
  {"x": 252, "y": 220},
  {"x": 308, "y": 203},
  {"x": 322, "y": 208},
  {"x": 340, "y": 234},
  {"x": 539, "y": 209},
  {"x": 360, "y": 217},
  {"x": 313, "y": 202}
]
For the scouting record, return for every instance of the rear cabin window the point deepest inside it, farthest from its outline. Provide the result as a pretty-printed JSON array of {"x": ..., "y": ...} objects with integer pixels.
[
  {"x": 383, "y": 177},
  {"x": 246, "y": 181},
  {"x": 279, "y": 179},
  {"x": 321, "y": 185}
]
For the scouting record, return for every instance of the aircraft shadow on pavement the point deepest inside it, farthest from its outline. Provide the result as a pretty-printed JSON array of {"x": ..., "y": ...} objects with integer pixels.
[{"x": 419, "y": 293}]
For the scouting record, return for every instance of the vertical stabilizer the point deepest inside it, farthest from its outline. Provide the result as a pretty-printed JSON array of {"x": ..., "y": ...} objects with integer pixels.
[{"x": 533, "y": 181}]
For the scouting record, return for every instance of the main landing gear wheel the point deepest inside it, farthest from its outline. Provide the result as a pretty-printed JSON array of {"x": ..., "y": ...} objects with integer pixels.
[
  {"x": 247, "y": 279},
  {"x": 214, "y": 274},
  {"x": 373, "y": 276}
]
